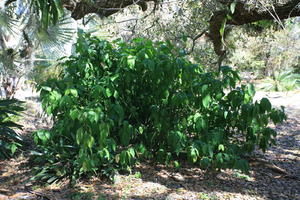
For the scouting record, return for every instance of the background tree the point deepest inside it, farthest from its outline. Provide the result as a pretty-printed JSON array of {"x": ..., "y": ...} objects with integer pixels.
[
  {"x": 190, "y": 25},
  {"x": 224, "y": 12}
]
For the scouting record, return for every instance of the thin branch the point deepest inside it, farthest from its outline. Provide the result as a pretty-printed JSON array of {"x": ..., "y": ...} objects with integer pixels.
[
  {"x": 275, "y": 15},
  {"x": 243, "y": 15},
  {"x": 194, "y": 41}
]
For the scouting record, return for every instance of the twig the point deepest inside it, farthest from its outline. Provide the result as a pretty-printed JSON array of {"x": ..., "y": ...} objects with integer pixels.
[
  {"x": 273, "y": 167},
  {"x": 194, "y": 40}
]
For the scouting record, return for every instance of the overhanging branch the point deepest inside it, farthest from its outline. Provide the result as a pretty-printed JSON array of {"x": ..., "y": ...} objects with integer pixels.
[
  {"x": 103, "y": 8},
  {"x": 243, "y": 15}
]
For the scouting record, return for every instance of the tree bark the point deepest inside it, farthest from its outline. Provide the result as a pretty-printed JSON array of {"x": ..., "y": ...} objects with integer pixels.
[{"x": 103, "y": 8}]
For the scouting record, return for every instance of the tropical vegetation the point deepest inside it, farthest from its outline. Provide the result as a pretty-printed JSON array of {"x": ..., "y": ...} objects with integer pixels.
[
  {"x": 10, "y": 140},
  {"x": 167, "y": 82},
  {"x": 121, "y": 103}
]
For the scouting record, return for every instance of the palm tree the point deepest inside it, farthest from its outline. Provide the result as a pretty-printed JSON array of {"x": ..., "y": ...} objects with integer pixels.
[{"x": 26, "y": 34}]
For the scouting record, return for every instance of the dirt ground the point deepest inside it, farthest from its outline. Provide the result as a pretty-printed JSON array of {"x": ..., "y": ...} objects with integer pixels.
[{"x": 274, "y": 175}]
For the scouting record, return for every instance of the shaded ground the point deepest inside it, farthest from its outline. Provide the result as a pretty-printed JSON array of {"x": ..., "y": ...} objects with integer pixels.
[{"x": 274, "y": 175}]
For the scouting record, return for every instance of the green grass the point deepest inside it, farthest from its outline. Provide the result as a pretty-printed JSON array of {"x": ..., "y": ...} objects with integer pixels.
[{"x": 82, "y": 195}]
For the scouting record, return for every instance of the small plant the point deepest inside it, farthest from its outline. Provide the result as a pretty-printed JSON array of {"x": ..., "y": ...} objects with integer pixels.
[
  {"x": 101, "y": 197},
  {"x": 241, "y": 175},
  {"x": 120, "y": 103},
  {"x": 138, "y": 175},
  {"x": 204, "y": 196},
  {"x": 82, "y": 195},
  {"x": 214, "y": 197},
  {"x": 281, "y": 81},
  {"x": 10, "y": 140}
]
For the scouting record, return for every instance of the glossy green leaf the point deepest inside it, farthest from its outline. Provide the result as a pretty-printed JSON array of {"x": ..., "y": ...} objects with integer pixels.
[
  {"x": 90, "y": 141},
  {"x": 43, "y": 135},
  {"x": 219, "y": 158},
  {"x": 232, "y": 7},
  {"x": 131, "y": 61},
  {"x": 222, "y": 29},
  {"x": 74, "y": 114},
  {"x": 13, "y": 148},
  {"x": 126, "y": 133},
  {"x": 201, "y": 124},
  {"x": 193, "y": 154},
  {"x": 108, "y": 92},
  {"x": 206, "y": 101},
  {"x": 79, "y": 136},
  {"x": 265, "y": 104},
  {"x": 104, "y": 132},
  {"x": 251, "y": 90},
  {"x": 221, "y": 147},
  {"x": 71, "y": 92},
  {"x": 93, "y": 116},
  {"x": 131, "y": 152}
]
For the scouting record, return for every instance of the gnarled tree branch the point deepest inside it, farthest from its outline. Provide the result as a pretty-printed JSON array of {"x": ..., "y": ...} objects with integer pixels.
[
  {"x": 243, "y": 15},
  {"x": 103, "y": 8}
]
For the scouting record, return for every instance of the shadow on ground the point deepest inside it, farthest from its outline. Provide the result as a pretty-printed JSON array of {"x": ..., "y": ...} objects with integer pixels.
[{"x": 149, "y": 181}]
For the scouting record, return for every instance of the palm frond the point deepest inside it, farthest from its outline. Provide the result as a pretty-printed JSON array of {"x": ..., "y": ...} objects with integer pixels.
[
  {"x": 8, "y": 21},
  {"x": 56, "y": 40}
]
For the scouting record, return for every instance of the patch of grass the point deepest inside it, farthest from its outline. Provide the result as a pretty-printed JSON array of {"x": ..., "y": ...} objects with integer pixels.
[
  {"x": 100, "y": 197},
  {"x": 252, "y": 192},
  {"x": 214, "y": 197},
  {"x": 238, "y": 174},
  {"x": 205, "y": 196},
  {"x": 36, "y": 187},
  {"x": 82, "y": 195}
]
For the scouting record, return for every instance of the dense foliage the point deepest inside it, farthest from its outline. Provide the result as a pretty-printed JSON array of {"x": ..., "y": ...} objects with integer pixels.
[
  {"x": 10, "y": 141},
  {"x": 119, "y": 103}
]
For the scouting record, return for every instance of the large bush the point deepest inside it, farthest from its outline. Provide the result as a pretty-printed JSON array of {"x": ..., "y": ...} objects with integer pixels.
[{"x": 119, "y": 103}]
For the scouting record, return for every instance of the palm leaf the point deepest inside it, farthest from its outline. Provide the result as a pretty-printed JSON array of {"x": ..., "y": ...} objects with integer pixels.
[
  {"x": 9, "y": 138},
  {"x": 10, "y": 20},
  {"x": 56, "y": 40},
  {"x": 7, "y": 22}
]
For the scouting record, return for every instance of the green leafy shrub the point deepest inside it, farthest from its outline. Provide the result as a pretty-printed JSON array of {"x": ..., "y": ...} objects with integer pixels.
[
  {"x": 119, "y": 103},
  {"x": 10, "y": 141}
]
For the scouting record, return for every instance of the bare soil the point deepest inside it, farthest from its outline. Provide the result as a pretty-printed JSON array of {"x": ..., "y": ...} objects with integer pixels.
[{"x": 274, "y": 175}]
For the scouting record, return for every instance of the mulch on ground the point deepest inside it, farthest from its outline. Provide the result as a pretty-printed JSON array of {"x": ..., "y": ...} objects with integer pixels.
[{"x": 274, "y": 175}]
